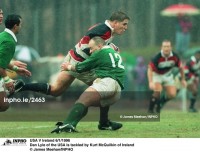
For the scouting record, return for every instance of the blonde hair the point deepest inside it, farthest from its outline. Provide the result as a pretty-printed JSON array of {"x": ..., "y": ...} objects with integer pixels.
[{"x": 98, "y": 40}]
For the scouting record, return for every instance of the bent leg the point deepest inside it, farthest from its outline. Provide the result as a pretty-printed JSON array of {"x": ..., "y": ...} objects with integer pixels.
[
  {"x": 193, "y": 88},
  {"x": 155, "y": 99},
  {"x": 170, "y": 92},
  {"x": 63, "y": 82},
  {"x": 90, "y": 97}
]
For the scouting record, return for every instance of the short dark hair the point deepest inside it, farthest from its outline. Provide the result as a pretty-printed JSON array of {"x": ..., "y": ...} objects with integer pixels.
[
  {"x": 119, "y": 16},
  {"x": 12, "y": 20},
  {"x": 166, "y": 40}
]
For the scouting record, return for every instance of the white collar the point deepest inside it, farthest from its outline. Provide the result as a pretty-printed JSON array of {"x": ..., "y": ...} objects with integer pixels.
[
  {"x": 162, "y": 54},
  {"x": 106, "y": 47},
  {"x": 11, "y": 33},
  {"x": 108, "y": 24}
]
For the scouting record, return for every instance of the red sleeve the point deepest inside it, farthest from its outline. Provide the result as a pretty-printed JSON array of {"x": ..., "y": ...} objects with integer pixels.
[{"x": 153, "y": 67}]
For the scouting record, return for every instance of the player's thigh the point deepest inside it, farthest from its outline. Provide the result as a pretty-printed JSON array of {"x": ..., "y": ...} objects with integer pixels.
[
  {"x": 63, "y": 81},
  {"x": 90, "y": 97},
  {"x": 113, "y": 99},
  {"x": 109, "y": 90},
  {"x": 157, "y": 80},
  {"x": 170, "y": 91},
  {"x": 87, "y": 77}
]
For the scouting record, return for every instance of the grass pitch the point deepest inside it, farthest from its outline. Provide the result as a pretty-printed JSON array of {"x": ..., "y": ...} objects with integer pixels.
[{"x": 173, "y": 124}]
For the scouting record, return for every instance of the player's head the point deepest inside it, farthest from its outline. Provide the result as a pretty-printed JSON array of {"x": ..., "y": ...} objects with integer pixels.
[
  {"x": 13, "y": 22},
  {"x": 166, "y": 47},
  {"x": 96, "y": 43},
  {"x": 1, "y": 16},
  {"x": 119, "y": 22}
]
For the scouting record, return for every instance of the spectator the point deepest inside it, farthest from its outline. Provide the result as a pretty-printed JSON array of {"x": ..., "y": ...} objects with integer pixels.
[
  {"x": 183, "y": 28},
  {"x": 139, "y": 74}
]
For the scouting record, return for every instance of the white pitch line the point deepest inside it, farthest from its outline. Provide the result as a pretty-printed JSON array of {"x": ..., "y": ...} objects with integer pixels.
[{"x": 35, "y": 127}]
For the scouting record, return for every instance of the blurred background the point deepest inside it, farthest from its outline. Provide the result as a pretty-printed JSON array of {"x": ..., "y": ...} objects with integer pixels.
[{"x": 52, "y": 27}]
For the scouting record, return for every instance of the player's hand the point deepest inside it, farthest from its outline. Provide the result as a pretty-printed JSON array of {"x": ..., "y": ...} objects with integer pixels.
[
  {"x": 23, "y": 72},
  {"x": 65, "y": 66},
  {"x": 10, "y": 86},
  {"x": 20, "y": 64},
  {"x": 151, "y": 85}
]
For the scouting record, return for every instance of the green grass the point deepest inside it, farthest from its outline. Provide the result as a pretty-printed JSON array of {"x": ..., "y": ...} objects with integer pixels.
[{"x": 173, "y": 124}]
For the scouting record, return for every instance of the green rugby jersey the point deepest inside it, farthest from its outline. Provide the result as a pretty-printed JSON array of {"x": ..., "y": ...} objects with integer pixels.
[
  {"x": 7, "y": 49},
  {"x": 106, "y": 63}
]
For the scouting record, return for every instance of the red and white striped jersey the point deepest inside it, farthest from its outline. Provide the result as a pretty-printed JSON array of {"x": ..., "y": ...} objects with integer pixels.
[
  {"x": 162, "y": 65},
  {"x": 104, "y": 30}
]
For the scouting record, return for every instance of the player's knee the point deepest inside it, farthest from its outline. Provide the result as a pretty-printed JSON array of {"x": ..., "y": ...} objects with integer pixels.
[
  {"x": 4, "y": 107},
  {"x": 85, "y": 103},
  {"x": 55, "y": 91}
]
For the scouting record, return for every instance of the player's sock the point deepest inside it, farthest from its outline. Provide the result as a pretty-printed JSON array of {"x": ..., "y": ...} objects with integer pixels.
[
  {"x": 104, "y": 115},
  {"x": 163, "y": 101},
  {"x": 77, "y": 112},
  {"x": 37, "y": 87},
  {"x": 192, "y": 102},
  {"x": 152, "y": 104}
]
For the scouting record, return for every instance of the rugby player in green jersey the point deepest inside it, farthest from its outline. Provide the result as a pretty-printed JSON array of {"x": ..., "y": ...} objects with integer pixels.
[
  {"x": 105, "y": 90},
  {"x": 15, "y": 62},
  {"x": 8, "y": 42}
]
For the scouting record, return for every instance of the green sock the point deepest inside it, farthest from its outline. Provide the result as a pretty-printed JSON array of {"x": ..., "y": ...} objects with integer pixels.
[{"x": 77, "y": 112}]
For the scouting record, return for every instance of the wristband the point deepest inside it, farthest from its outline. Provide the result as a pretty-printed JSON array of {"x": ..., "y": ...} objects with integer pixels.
[
  {"x": 7, "y": 79},
  {"x": 15, "y": 68},
  {"x": 69, "y": 67}
]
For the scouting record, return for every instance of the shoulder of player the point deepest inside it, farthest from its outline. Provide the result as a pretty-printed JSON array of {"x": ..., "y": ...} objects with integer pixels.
[
  {"x": 6, "y": 38},
  {"x": 156, "y": 57},
  {"x": 100, "y": 28},
  {"x": 175, "y": 54}
]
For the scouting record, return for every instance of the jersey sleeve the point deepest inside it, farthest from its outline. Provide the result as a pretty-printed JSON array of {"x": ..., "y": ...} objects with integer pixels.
[
  {"x": 88, "y": 64},
  {"x": 97, "y": 30},
  {"x": 152, "y": 64}
]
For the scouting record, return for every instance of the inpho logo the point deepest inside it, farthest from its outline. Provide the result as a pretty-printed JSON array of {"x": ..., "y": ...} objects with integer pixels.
[{"x": 15, "y": 142}]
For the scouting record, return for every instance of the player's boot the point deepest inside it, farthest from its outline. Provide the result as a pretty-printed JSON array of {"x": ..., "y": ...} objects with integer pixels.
[
  {"x": 192, "y": 110},
  {"x": 18, "y": 84},
  {"x": 110, "y": 125},
  {"x": 64, "y": 128}
]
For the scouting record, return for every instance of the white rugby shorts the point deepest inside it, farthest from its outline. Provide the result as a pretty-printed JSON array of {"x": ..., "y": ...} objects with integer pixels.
[
  {"x": 109, "y": 90},
  {"x": 166, "y": 79},
  {"x": 86, "y": 77}
]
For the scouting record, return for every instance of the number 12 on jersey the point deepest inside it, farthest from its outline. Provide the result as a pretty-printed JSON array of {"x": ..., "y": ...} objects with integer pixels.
[{"x": 116, "y": 56}]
